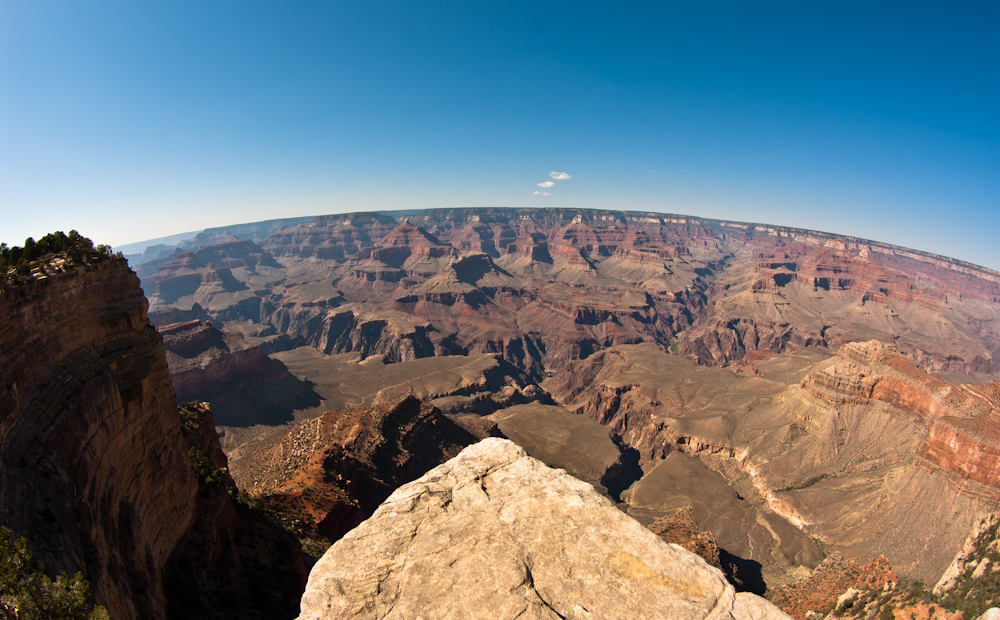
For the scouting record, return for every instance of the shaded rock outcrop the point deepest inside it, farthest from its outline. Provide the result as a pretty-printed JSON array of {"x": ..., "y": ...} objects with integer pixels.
[
  {"x": 233, "y": 562},
  {"x": 94, "y": 470},
  {"x": 494, "y": 533},
  {"x": 331, "y": 472},
  {"x": 96, "y": 464},
  {"x": 244, "y": 385}
]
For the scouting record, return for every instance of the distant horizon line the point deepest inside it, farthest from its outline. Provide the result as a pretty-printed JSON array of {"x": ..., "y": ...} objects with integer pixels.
[{"x": 141, "y": 246}]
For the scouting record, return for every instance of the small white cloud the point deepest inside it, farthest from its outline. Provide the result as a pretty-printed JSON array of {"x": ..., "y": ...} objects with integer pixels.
[
  {"x": 538, "y": 193},
  {"x": 560, "y": 176},
  {"x": 546, "y": 184}
]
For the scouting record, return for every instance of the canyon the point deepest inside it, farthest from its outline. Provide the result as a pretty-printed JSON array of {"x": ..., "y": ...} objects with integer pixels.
[
  {"x": 799, "y": 376},
  {"x": 780, "y": 397}
]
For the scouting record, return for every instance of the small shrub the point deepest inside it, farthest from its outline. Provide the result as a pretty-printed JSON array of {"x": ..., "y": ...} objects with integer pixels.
[
  {"x": 207, "y": 476},
  {"x": 28, "y": 594}
]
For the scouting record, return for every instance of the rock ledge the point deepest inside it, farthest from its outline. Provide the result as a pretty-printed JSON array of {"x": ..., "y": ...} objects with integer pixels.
[{"x": 493, "y": 533}]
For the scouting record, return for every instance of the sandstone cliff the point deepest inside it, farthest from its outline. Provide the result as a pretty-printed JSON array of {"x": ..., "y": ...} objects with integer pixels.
[
  {"x": 96, "y": 465},
  {"x": 94, "y": 470},
  {"x": 496, "y": 534}
]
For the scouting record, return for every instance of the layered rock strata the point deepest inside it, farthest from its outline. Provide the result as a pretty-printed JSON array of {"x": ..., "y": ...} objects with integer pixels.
[
  {"x": 848, "y": 450},
  {"x": 494, "y": 533},
  {"x": 96, "y": 465},
  {"x": 557, "y": 285},
  {"x": 94, "y": 470},
  {"x": 244, "y": 385}
]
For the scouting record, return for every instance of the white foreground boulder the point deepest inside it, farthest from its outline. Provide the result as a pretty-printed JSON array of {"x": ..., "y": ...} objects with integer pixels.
[{"x": 496, "y": 534}]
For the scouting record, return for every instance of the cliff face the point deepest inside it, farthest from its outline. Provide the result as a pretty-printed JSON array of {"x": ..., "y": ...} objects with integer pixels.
[
  {"x": 233, "y": 562},
  {"x": 94, "y": 472},
  {"x": 96, "y": 464},
  {"x": 244, "y": 385}
]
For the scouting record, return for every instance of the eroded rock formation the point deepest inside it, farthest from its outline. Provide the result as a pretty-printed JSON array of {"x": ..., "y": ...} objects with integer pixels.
[
  {"x": 846, "y": 449},
  {"x": 557, "y": 285},
  {"x": 94, "y": 470},
  {"x": 244, "y": 385},
  {"x": 834, "y": 577},
  {"x": 331, "y": 472},
  {"x": 507, "y": 537}
]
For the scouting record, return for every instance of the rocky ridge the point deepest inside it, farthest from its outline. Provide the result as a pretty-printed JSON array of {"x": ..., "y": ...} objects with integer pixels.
[{"x": 331, "y": 472}]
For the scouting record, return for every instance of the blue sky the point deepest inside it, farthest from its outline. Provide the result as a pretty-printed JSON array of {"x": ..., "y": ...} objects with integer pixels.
[{"x": 131, "y": 120}]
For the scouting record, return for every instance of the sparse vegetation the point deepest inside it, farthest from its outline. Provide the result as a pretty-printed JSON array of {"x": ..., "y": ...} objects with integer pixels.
[
  {"x": 208, "y": 477},
  {"x": 973, "y": 594},
  {"x": 18, "y": 264},
  {"x": 804, "y": 485},
  {"x": 28, "y": 594}
]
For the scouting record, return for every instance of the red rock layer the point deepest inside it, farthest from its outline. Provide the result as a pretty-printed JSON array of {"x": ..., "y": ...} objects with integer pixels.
[
  {"x": 970, "y": 448},
  {"x": 330, "y": 473},
  {"x": 832, "y": 578}
]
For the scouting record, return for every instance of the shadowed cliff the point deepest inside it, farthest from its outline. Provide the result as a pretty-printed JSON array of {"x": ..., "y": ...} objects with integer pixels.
[{"x": 95, "y": 468}]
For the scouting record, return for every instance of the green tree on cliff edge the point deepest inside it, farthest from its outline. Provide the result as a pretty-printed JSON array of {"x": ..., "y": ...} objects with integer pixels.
[
  {"x": 16, "y": 263},
  {"x": 28, "y": 594}
]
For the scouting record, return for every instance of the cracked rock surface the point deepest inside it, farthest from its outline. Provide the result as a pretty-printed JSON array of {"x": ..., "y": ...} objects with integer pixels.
[{"x": 494, "y": 533}]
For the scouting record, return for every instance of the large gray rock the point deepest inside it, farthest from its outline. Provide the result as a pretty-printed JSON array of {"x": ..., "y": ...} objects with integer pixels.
[{"x": 496, "y": 534}]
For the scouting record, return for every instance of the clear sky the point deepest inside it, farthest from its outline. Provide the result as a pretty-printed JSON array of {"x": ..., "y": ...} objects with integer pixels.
[{"x": 130, "y": 120}]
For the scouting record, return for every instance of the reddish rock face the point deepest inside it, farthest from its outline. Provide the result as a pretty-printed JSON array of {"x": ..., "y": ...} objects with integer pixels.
[
  {"x": 95, "y": 463},
  {"x": 830, "y": 580},
  {"x": 963, "y": 421},
  {"x": 970, "y": 448},
  {"x": 330, "y": 473},
  {"x": 94, "y": 471}
]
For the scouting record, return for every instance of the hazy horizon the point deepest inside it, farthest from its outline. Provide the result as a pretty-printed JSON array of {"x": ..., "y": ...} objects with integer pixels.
[{"x": 134, "y": 121}]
